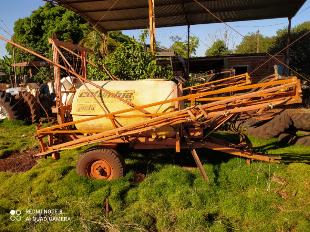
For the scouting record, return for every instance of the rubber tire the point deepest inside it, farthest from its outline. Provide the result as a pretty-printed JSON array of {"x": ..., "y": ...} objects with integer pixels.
[
  {"x": 303, "y": 141},
  {"x": 33, "y": 106},
  {"x": 300, "y": 118},
  {"x": 108, "y": 155},
  {"x": 102, "y": 147},
  {"x": 272, "y": 128}
]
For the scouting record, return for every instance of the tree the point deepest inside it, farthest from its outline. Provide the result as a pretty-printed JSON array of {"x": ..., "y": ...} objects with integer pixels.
[
  {"x": 125, "y": 57},
  {"x": 130, "y": 60},
  {"x": 254, "y": 43},
  {"x": 180, "y": 47},
  {"x": 45, "y": 22},
  {"x": 218, "y": 48},
  {"x": 5, "y": 67},
  {"x": 97, "y": 42},
  {"x": 299, "y": 52},
  {"x": 103, "y": 44}
]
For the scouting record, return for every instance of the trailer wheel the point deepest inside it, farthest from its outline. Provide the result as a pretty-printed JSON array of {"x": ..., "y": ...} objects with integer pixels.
[{"x": 103, "y": 164}]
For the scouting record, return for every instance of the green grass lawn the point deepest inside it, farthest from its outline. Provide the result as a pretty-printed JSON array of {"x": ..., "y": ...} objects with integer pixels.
[
  {"x": 15, "y": 136},
  {"x": 238, "y": 197}
]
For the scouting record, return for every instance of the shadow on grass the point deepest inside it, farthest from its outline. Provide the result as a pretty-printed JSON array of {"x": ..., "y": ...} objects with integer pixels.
[
  {"x": 299, "y": 154},
  {"x": 288, "y": 153},
  {"x": 147, "y": 161},
  {"x": 293, "y": 158}
]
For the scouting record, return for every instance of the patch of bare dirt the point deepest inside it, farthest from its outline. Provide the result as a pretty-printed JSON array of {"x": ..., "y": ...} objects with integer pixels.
[{"x": 18, "y": 162}]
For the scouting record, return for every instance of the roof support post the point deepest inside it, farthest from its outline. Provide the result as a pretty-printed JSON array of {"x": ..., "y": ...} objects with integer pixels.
[
  {"x": 14, "y": 68},
  {"x": 188, "y": 50},
  {"x": 152, "y": 28},
  {"x": 288, "y": 43}
]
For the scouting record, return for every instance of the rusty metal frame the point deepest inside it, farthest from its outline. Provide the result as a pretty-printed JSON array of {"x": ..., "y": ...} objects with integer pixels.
[
  {"x": 273, "y": 93},
  {"x": 194, "y": 97}
]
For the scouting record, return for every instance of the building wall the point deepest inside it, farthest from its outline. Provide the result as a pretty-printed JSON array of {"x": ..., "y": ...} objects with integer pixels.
[{"x": 252, "y": 62}]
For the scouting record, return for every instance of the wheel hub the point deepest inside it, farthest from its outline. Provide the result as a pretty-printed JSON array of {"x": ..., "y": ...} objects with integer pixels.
[{"x": 100, "y": 169}]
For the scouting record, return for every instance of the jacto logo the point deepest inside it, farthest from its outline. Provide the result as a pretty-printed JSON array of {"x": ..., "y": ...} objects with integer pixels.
[{"x": 15, "y": 215}]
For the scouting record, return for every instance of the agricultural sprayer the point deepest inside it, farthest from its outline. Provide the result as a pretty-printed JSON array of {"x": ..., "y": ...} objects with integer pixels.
[{"x": 152, "y": 114}]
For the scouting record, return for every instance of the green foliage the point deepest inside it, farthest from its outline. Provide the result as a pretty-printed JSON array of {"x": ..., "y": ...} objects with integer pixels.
[
  {"x": 5, "y": 67},
  {"x": 253, "y": 43},
  {"x": 124, "y": 57},
  {"x": 95, "y": 41},
  {"x": 130, "y": 61},
  {"x": 180, "y": 47},
  {"x": 300, "y": 51},
  {"x": 47, "y": 21},
  {"x": 102, "y": 44},
  {"x": 218, "y": 48}
]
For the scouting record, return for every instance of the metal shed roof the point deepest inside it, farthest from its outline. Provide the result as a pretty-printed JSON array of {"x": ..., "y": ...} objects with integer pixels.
[{"x": 110, "y": 15}]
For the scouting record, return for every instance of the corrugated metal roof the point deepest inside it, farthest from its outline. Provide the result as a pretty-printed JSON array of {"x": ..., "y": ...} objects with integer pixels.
[{"x": 110, "y": 15}]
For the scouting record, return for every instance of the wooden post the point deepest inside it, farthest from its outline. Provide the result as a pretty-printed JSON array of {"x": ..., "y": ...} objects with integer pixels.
[
  {"x": 257, "y": 41},
  {"x": 14, "y": 67},
  {"x": 152, "y": 26},
  {"x": 188, "y": 50},
  {"x": 199, "y": 165}
]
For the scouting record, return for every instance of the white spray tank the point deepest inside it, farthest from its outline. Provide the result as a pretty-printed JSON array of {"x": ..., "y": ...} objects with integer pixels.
[{"x": 139, "y": 92}]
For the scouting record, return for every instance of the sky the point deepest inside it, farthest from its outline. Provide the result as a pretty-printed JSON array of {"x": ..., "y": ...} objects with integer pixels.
[{"x": 11, "y": 10}]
